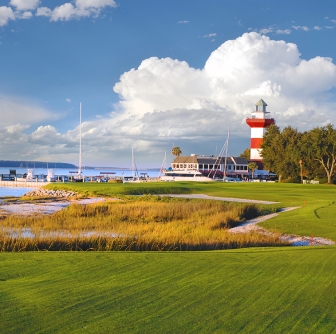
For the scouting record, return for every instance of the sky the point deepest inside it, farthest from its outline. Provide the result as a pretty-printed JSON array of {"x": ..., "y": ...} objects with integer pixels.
[{"x": 151, "y": 74}]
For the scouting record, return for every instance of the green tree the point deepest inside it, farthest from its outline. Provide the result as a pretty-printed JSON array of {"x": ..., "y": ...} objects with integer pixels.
[
  {"x": 281, "y": 151},
  {"x": 319, "y": 145},
  {"x": 176, "y": 151},
  {"x": 246, "y": 154},
  {"x": 252, "y": 166}
]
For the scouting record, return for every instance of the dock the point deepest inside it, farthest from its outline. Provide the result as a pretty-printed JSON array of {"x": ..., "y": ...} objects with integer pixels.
[{"x": 23, "y": 184}]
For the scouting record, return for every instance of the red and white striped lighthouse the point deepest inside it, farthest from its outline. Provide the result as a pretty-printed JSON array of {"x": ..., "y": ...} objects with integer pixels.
[{"x": 259, "y": 121}]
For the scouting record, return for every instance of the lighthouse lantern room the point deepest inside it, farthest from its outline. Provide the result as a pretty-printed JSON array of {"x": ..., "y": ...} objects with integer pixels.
[{"x": 258, "y": 122}]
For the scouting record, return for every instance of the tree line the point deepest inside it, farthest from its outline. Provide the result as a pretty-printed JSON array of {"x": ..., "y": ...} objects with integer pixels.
[{"x": 293, "y": 154}]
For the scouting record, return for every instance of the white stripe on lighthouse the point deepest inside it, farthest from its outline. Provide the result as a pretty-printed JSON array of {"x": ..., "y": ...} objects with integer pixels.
[
  {"x": 255, "y": 154},
  {"x": 257, "y": 132}
]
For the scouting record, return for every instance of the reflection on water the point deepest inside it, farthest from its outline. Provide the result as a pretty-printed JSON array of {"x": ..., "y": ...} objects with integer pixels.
[{"x": 29, "y": 234}]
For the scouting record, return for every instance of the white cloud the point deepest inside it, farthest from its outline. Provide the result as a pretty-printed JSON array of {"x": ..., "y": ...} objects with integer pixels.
[
  {"x": 210, "y": 35},
  {"x": 24, "y": 15},
  {"x": 67, "y": 12},
  {"x": 80, "y": 8},
  {"x": 304, "y": 28},
  {"x": 95, "y": 3},
  {"x": 24, "y": 4},
  {"x": 166, "y": 98},
  {"x": 14, "y": 110},
  {"x": 317, "y": 28},
  {"x": 68, "y": 100},
  {"x": 183, "y": 22},
  {"x": 6, "y": 14},
  {"x": 166, "y": 101},
  {"x": 266, "y": 31},
  {"x": 44, "y": 11},
  {"x": 283, "y": 32}
]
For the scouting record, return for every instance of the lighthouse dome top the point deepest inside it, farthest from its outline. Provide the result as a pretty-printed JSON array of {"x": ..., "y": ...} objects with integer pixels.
[{"x": 261, "y": 105}]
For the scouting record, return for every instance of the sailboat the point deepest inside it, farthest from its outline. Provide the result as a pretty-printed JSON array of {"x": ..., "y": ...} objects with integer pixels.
[{"x": 135, "y": 176}]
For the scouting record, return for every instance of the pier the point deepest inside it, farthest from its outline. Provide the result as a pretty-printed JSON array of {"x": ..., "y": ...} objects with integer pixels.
[{"x": 23, "y": 184}]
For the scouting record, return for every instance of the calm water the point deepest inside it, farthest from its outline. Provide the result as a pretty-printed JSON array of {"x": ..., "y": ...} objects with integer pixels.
[
  {"x": 13, "y": 191},
  {"x": 85, "y": 172},
  {"x": 16, "y": 191}
]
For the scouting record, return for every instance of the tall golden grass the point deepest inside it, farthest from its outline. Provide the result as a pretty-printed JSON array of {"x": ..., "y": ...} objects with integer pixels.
[{"x": 136, "y": 224}]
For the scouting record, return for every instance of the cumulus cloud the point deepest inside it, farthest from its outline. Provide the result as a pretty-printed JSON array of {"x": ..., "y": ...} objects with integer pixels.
[
  {"x": 24, "y": 4},
  {"x": 6, "y": 14},
  {"x": 80, "y": 8},
  {"x": 166, "y": 101},
  {"x": 166, "y": 98}
]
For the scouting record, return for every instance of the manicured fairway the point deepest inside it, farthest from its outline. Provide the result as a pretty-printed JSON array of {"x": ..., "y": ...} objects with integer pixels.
[{"x": 288, "y": 290}]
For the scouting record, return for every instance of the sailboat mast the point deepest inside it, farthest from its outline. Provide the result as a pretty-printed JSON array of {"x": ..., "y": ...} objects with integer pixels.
[
  {"x": 226, "y": 154},
  {"x": 133, "y": 164},
  {"x": 80, "y": 139}
]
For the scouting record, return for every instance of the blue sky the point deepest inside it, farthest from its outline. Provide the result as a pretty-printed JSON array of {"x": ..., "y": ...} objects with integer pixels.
[{"x": 151, "y": 74}]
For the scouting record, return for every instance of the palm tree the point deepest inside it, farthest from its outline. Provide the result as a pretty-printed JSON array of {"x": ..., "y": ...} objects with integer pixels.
[
  {"x": 176, "y": 151},
  {"x": 252, "y": 166}
]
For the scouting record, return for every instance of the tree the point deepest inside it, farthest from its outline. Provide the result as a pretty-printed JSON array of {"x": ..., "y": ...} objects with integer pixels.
[
  {"x": 176, "y": 151},
  {"x": 246, "y": 154},
  {"x": 253, "y": 166},
  {"x": 319, "y": 145},
  {"x": 281, "y": 151}
]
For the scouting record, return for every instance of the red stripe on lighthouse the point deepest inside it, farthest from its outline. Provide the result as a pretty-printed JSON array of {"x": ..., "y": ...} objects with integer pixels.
[{"x": 256, "y": 142}]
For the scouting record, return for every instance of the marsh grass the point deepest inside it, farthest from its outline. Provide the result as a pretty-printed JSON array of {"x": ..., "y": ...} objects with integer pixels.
[{"x": 149, "y": 223}]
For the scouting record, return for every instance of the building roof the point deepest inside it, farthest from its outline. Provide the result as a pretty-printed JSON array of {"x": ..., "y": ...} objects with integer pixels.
[
  {"x": 261, "y": 102},
  {"x": 210, "y": 160},
  {"x": 190, "y": 159}
]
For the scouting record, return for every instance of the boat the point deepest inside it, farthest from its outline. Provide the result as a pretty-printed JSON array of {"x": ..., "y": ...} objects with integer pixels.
[
  {"x": 186, "y": 175},
  {"x": 135, "y": 177}
]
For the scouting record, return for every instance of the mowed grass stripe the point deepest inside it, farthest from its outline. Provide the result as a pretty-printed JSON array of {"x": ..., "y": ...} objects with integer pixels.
[{"x": 262, "y": 290}]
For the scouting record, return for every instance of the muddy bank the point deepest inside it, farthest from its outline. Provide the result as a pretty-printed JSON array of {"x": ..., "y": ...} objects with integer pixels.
[{"x": 46, "y": 207}]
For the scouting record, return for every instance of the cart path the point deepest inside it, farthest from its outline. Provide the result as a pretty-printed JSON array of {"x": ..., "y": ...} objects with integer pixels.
[
  {"x": 251, "y": 225},
  {"x": 295, "y": 240},
  {"x": 225, "y": 199}
]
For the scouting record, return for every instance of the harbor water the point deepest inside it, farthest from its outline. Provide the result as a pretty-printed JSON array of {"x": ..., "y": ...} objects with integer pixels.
[
  {"x": 13, "y": 191},
  {"x": 98, "y": 172}
]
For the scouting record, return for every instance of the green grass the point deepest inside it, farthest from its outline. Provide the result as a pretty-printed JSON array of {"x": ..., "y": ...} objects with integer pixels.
[
  {"x": 287, "y": 290},
  {"x": 317, "y": 202}
]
